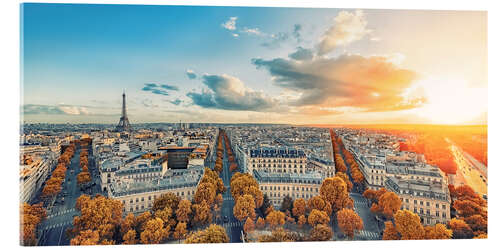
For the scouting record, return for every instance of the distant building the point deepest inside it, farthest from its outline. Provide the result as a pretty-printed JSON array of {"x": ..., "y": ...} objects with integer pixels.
[
  {"x": 423, "y": 197},
  {"x": 137, "y": 197},
  {"x": 277, "y": 160},
  {"x": 278, "y": 185}
]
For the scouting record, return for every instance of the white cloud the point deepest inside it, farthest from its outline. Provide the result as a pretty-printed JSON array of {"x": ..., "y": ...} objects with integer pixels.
[
  {"x": 235, "y": 35},
  {"x": 253, "y": 31},
  {"x": 230, "y": 24},
  {"x": 347, "y": 27}
]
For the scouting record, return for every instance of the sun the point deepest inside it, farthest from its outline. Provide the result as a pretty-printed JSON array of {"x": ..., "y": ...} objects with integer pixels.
[{"x": 451, "y": 100}]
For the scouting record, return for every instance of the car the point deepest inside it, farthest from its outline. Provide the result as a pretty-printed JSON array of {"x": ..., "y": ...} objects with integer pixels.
[{"x": 225, "y": 218}]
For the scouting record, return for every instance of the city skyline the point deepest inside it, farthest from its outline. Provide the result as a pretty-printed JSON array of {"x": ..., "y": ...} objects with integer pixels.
[{"x": 254, "y": 65}]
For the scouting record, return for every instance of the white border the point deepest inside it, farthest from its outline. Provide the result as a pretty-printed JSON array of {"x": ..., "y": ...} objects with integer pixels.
[{"x": 10, "y": 99}]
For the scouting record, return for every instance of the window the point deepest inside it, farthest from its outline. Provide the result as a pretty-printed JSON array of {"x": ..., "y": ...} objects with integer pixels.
[
  {"x": 422, "y": 203},
  {"x": 437, "y": 205},
  {"x": 444, "y": 215},
  {"x": 444, "y": 206},
  {"x": 428, "y": 204},
  {"x": 415, "y": 201},
  {"x": 142, "y": 199}
]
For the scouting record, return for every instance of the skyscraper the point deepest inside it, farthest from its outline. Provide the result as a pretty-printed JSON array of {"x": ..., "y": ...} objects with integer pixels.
[{"x": 124, "y": 124}]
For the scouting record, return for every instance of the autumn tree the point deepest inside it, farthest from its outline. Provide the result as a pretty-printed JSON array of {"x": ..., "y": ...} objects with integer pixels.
[
  {"x": 279, "y": 235},
  {"x": 388, "y": 204},
  {"x": 31, "y": 216},
  {"x": 286, "y": 204},
  {"x": 202, "y": 213},
  {"x": 302, "y": 220},
  {"x": 85, "y": 238},
  {"x": 205, "y": 192},
  {"x": 242, "y": 184},
  {"x": 180, "y": 231},
  {"x": 321, "y": 233},
  {"x": 477, "y": 223},
  {"x": 299, "y": 207},
  {"x": 154, "y": 232},
  {"x": 437, "y": 232},
  {"x": 317, "y": 202},
  {"x": 408, "y": 225},
  {"x": 275, "y": 218},
  {"x": 166, "y": 200},
  {"x": 345, "y": 178},
  {"x": 130, "y": 237},
  {"x": 349, "y": 222},
  {"x": 318, "y": 217},
  {"x": 460, "y": 229},
  {"x": 261, "y": 223},
  {"x": 99, "y": 214},
  {"x": 183, "y": 211},
  {"x": 244, "y": 208},
  {"x": 213, "y": 234},
  {"x": 249, "y": 225},
  {"x": 390, "y": 232},
  {"x": 334, "y": 191}
]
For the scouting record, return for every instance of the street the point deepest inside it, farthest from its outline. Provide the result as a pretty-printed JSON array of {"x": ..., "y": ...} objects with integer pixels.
[
  {"x": 60, "y": 215},
  {"x": 233, "y": 226}
]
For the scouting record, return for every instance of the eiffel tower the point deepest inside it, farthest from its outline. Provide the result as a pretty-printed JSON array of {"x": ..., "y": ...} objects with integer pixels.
[{"x": 124, "y": 124}]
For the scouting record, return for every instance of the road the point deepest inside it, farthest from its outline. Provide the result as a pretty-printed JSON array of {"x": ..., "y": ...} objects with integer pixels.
[
  {"x": 233, "y": 226},
  {"x": 371, "y": 230},
  {"x": 52, "y": 230},
  {"x": 469, "y": 171}
]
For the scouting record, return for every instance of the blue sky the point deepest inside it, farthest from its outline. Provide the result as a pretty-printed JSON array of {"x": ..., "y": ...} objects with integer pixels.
[{"x": 77, "y": 59}]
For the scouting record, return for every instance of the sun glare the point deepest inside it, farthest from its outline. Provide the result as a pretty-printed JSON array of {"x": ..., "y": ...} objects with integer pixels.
[{"x": 451, "y": 101}]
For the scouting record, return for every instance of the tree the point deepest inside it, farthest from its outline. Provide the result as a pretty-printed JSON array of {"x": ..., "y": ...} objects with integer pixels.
[
  {"x": 206, "y": 191},
  {"x": 129, "y": 238},
  {"x": 87, "y": 237},
  {"x": 212, "y": 234},
  {"x": 345, "y": 178},
  {"x": 286, "y": 204},
  {"x": 371, "y": 195},
  {"x": 466, "y": 208},
  {"x": 321, "y": 233},
  {"x": 334, "y": 191},
  {"x": 460, "y": 229},
  {"x": 99, "y": 214},
  {"x": 183, "y": 211},
  {"x": 265, "y": 204},
  {"x": 164, "y": 214},
  {"x": 242, "y": 184},
  {"x": 143, "y": 218},
  {"x": 302, "y": 220},
  {"x": 318, "y": 217},
  {"x": 299, "y": 207},
  {"x": 349, "y": 222},
  {"x": 388, "y": 204},
  {"x": 180, "y": 231},
  {"x": 477, "y": 223},
  {"x": 83, "y": 178},
  {"x": 127, "y": 224},
  {"x": 233, "y": 167},
  {"x": 261, "y": 223},
  {"x": 275, "y": 218},
  {"x": 166, "y": 200},
  {"x": 249, "y": 225},
  {"x": 279, "y": 235},
  {"x": 437, "y": 232},
  {"x": 154, "y": 232},
  {"x": 408, "y": 225},
  {"x": 317, "y": 202},
  {"x": 244, "y": 208},
  {"x": 202, "y": 213},
  {"x": 31, "y": 216},
  {"x": 390, "y": 232}
]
